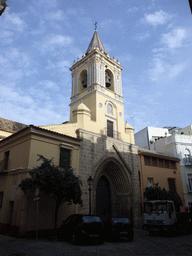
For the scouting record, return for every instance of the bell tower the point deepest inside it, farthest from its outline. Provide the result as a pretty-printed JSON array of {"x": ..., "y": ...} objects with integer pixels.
[
  {"x": 95, "y": 73},
  {"x": 96, "y": 95}
]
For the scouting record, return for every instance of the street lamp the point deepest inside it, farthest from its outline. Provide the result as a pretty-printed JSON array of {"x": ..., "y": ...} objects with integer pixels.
[{"x": 90, "y": 183}]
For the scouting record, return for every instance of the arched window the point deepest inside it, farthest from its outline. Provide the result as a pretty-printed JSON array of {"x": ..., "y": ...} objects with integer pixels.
[
  {"x": 82, "y": 80},
  {"x": 109, "y": 109},
  {"x": 187, "y": 152},
  {"x": 188, "y": 158},
  {"x": 109, "y": 81}
]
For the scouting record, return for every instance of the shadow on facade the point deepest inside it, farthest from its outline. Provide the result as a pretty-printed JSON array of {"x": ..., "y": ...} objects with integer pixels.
[{"x": 114, "y": 167}]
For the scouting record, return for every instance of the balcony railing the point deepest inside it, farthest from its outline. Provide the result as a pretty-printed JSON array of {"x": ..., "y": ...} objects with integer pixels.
[
  {"x": 115, "y": 134},
  {"x": 188, "y": 160}
]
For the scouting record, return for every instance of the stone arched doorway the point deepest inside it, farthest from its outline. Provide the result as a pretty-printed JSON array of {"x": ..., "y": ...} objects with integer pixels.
[{"x": 112, "y": 187}]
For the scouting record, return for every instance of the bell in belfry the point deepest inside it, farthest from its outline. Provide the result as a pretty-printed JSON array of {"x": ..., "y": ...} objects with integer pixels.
[
  {"x": 107, "y": 80},
  {"x": 84, "y": 82}
]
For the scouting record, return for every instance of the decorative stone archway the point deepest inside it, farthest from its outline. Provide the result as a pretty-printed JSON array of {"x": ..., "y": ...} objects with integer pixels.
[{"x": 116, "y": 182}]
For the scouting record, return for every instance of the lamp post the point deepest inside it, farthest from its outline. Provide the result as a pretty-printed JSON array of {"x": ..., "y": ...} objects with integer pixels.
[{"x": 90, "y": 183}]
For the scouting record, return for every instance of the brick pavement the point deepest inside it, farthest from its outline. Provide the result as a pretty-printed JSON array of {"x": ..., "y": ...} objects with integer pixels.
[{"x": 143, "y": 244}]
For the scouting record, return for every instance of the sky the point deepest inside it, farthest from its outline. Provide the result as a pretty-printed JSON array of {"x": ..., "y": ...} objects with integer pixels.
[{"x": 152, "y": 39}]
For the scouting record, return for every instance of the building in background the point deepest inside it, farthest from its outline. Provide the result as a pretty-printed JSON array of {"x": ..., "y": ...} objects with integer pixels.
[
  {"x": 158, "y": 169},
  {"x": 8, "y": 127},
  {"x": 18, "y": 153},
  {"x": 180, "y": 145},
  {"x": 146, "y": 138},
  {"x": 176, "y": 142}
]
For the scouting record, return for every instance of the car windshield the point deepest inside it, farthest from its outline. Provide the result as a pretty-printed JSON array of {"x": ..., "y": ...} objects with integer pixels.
[
  {"x": 120, "y": 220},
  {"x": 156, "y": 207},
  {"x": 90, "y": 219}
]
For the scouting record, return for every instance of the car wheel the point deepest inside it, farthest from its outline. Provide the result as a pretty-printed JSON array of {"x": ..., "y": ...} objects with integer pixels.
[{"x": 74, "y": 239}]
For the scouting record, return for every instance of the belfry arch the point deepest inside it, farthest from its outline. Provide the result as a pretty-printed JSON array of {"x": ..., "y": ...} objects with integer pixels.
[{"x": 114, "y": 181}]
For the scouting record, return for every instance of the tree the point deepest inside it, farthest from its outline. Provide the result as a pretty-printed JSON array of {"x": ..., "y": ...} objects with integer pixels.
[
  {"x": 62, "y": 184},
  {"x": 156, "y": 193}
]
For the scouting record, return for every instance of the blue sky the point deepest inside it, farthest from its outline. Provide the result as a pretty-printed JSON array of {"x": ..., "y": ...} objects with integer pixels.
[{"x": 152, "y": 39}]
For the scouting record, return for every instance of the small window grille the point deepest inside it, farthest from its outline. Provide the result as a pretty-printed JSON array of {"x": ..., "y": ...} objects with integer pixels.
[{"x": 65, "y": 155}]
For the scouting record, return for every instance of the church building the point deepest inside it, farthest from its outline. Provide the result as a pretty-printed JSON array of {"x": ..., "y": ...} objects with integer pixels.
[
  {"x": 95, "y": 142},
  {"x": 107, "y": 151}
]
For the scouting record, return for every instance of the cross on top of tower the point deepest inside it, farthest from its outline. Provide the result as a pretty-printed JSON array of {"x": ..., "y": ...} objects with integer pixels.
[{"x": 95, "y": 25}]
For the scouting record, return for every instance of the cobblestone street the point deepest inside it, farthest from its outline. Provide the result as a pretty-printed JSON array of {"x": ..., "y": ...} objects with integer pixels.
[{"x": 143, "y": 244}]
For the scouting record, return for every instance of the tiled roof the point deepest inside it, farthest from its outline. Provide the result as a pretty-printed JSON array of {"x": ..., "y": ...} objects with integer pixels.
[
  {"x": 157, "y": 154},
  {"x": 10, "y": 126},
  {"x": 95, "y": 42}
]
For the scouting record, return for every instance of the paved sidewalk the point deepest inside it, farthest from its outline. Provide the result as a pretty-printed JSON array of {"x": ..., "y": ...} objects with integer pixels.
[{"x": 143, "y": 244}]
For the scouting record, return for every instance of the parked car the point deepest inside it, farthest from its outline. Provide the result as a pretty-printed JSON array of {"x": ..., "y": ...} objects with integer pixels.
[
  {"x": 117, "y": 227},
  {"x": 82, "y": 228}
]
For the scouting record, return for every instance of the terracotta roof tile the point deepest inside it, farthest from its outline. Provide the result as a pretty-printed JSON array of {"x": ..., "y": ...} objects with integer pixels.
[{"x": 10, "y": 126}]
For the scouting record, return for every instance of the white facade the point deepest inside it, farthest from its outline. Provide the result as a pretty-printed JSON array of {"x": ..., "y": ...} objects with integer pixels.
[
  {"x": 178, "y": 144},
  {"x": 186, "y": 131},
  {"x": 146, "y": 137}
]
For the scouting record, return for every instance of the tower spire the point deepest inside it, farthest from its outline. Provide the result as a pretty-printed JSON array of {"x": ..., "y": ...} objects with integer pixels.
[{"x": 95, "y": 41}]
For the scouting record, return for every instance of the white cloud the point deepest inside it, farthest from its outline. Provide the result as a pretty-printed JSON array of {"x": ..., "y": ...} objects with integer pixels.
[
  {"x": 35, "y": 107},
  {"x": 13, "y": 21},
  {"x": 175, "y": 38},
  {"x": 14, "y": 66},
  {"x": 57, "y": 15},
  {"x": 6, "y": 37},
  {"x": 52, "y": 42},
  {"x": 177, "y": 69},
  {"x": 12, "y": 95},
  {"x": 47, "y": 84},
  {"x": 158, "y": 18},
  {"x": 59, "y": 40},
  {"x": 14, "y": 57},
  {"x": 142, "y": 36},
  {"x": 162, "y": 70},
  {"x": 61, "y": 66}
]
